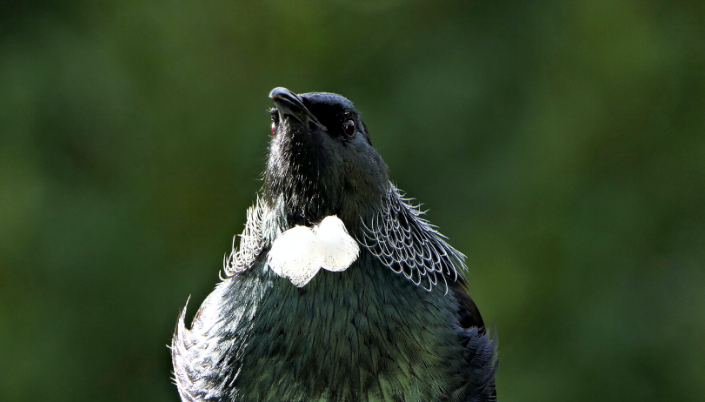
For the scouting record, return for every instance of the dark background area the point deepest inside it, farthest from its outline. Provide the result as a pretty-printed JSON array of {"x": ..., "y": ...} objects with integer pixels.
[{"x": 560, "y": 145}]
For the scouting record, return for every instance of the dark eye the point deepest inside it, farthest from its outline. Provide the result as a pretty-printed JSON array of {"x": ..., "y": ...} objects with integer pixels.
[
  {"x": 349, "y": 127},
  {"x": 275, "y": 120}
]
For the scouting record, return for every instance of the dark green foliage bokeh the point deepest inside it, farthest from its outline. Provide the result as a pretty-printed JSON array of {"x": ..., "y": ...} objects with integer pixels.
[{"x": 560, "y": 145}]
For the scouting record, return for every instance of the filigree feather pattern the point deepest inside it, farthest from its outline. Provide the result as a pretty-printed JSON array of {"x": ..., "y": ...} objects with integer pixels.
[
  {"x": 405, "y": 242},
  {"x": 251, "y": 242}
]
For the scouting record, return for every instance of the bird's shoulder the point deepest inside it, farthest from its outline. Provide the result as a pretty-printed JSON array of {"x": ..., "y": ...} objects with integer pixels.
[
  {"x": 208, "y": 355},
  {"x": 480, "y": 350}
]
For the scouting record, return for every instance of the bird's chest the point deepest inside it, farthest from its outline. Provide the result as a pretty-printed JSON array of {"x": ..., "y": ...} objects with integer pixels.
[{"x": 363, "y": 331}]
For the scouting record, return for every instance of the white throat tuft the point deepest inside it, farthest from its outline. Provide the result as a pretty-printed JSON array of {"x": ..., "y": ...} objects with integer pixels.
[{"x": 300, "y": 252}]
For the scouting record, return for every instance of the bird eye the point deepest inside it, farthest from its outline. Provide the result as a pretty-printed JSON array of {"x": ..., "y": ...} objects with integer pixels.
[
  {"x": 349, "y": 127},
  {"x": 275, "y": 120}
]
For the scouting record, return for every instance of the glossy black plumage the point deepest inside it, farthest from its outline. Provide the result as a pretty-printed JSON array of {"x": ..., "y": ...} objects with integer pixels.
[{"x": 396, "y": 325}]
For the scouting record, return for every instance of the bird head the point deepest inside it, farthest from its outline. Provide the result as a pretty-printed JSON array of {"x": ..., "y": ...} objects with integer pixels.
[{"x": 321, "y": 160}]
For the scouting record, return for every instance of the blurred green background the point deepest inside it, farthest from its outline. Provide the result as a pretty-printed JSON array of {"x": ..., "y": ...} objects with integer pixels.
[{"x": 560, "y": 145}]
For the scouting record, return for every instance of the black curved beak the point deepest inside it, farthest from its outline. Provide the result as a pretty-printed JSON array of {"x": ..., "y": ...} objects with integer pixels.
[{"x": 290, "y": 104}]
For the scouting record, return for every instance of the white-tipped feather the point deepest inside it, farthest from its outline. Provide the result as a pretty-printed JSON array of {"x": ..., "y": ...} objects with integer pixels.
[{"x": 300, "y": 252}]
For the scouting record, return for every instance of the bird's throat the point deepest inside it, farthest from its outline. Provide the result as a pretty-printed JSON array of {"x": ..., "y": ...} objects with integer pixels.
[{"x": 300, "y": 252}]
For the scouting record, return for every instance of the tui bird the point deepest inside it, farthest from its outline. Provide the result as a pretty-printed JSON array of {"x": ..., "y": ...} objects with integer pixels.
[{"x": 340, "y": 290}]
